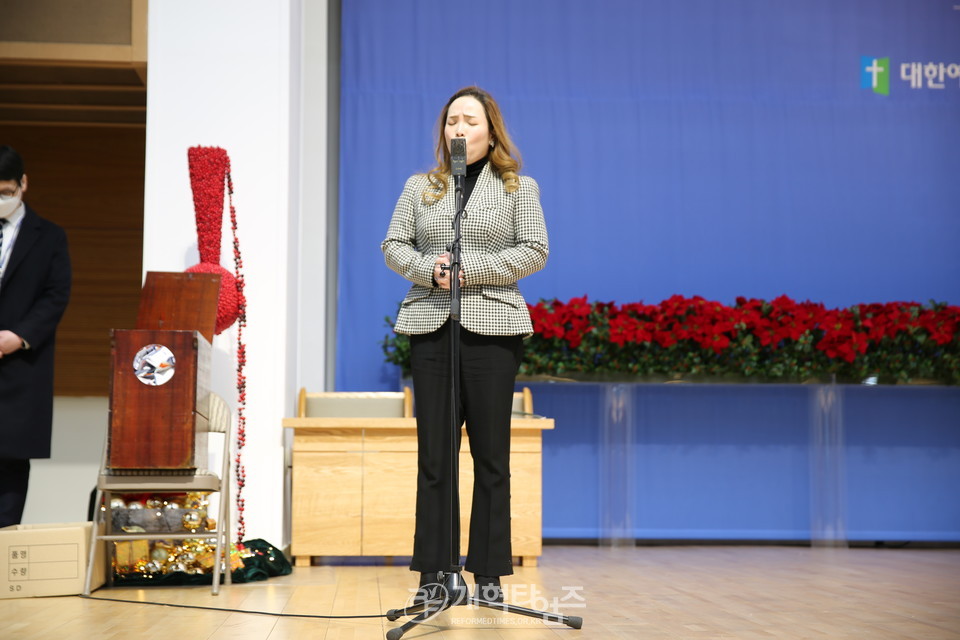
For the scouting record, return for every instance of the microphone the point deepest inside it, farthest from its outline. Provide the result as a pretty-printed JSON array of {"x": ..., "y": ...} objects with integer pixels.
[
  {"x": 458, "y": 167},
  {"x": 458, "y": 156}
]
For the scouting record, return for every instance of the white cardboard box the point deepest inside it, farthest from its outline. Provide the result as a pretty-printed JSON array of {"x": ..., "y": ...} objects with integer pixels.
[{"x": 47, "y": 560}]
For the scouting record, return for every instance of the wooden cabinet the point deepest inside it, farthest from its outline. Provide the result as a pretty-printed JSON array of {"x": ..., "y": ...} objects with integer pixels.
[{"x": 355, "y": 483}]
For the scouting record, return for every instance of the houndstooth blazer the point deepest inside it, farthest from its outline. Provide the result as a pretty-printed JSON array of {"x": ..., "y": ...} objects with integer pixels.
[{"x": 504, "y": 238}]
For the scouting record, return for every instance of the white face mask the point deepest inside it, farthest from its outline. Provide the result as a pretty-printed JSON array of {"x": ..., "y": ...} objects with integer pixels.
[{"x": 10, "y": 204}]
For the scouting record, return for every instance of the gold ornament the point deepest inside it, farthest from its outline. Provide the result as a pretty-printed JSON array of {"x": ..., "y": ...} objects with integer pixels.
[
  {"x": 175, "y": 567},
  {"x": 192, "y": 520},
  {"x": 196, "y": 500}
]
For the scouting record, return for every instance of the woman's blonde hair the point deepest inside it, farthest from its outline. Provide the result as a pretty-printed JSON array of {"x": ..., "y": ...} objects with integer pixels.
[{"x": 504, "y": 156}]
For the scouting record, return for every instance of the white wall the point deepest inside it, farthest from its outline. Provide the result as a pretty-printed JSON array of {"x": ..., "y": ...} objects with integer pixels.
[
  {"x": 313, "y": 298},
  {"x": 229, "y": 78},
  {"x": 314, "y": 292},
  {"x": 60, "y": 487},
  {"x": 220, "y": 74}
]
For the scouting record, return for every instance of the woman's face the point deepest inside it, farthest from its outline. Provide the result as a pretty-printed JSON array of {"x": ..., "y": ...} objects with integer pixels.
[{"x": 466, "y": 118}]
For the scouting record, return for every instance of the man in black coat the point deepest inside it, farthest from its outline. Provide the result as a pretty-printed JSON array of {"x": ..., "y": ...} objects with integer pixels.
[{"x": 34, "y": 291}]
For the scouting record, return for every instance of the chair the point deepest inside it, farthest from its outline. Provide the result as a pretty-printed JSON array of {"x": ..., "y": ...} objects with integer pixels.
[
  {"x": 523, "y": 403},
  {"x": 355, "y": 404},
  {"x": 379, "y": 404},
  {"x": 219, "y": 421}
]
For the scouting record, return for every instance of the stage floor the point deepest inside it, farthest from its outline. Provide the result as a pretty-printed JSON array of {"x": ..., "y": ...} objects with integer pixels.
[{"x": 681, "y": 592}]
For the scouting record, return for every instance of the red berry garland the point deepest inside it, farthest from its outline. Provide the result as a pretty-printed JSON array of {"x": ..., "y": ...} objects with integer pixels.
[{"x": 209, "y": 168}]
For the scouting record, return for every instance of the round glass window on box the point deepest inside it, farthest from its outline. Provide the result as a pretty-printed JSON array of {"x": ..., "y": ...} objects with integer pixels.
[{"x": 154, "y": 365}]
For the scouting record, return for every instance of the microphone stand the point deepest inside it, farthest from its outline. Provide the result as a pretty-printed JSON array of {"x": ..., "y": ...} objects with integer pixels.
[{"x": 453, "y": 590}]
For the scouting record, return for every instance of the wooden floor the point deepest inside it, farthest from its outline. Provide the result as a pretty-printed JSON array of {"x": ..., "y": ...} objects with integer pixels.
[{"x": 683, "y": 592}]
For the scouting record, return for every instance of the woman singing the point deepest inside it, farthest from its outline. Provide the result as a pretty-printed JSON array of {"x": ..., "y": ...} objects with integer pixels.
[{"x": 503, "y": 239}]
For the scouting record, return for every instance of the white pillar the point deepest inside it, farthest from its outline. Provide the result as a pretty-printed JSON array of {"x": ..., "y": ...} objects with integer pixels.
[{"x": 226, "y": 74}]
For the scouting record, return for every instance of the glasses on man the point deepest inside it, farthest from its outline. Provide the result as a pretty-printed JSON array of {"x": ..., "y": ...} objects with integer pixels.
[{"x": 7, "y": 194}]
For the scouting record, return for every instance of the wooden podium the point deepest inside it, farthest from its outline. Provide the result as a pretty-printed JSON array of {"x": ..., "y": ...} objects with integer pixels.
[
  {"x": 160, "y": 378},
  {"x": 355, "y": 483}
]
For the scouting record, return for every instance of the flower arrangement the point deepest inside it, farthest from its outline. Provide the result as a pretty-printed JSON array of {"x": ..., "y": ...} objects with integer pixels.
[{"x": 756, "y": 340}]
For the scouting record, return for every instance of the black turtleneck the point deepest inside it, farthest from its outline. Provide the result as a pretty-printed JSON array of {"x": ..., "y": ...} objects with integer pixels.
[{"x": 470, "y": 181}]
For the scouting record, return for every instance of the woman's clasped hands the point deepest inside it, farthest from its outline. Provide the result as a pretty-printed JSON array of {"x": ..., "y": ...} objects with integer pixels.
[{"x": 441, "y": 271}]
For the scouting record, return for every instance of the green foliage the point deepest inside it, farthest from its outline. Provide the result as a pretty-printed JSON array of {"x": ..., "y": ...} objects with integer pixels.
[{"x": 396, "y": 348}]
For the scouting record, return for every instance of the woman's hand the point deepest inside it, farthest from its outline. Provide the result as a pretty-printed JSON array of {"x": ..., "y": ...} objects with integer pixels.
[{"x": 442, "y": 276}]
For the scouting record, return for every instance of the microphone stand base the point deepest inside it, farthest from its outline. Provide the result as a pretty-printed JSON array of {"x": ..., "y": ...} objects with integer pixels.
[{"x": 454, "y": 592}]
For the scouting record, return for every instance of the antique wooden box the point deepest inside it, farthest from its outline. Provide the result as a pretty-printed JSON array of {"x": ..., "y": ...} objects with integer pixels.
[{"x": 158, "y": 400}]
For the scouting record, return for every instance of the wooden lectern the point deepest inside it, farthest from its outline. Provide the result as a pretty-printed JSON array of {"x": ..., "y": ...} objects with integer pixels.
[{"x": 161, "y": 377}]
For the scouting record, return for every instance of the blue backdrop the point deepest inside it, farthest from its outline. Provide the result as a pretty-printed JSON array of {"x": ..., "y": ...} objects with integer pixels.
[{"x": 693, "y": 147}]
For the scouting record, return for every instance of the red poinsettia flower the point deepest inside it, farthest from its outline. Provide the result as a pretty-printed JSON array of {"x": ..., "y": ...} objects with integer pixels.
[{"x": 782, "y": 338}]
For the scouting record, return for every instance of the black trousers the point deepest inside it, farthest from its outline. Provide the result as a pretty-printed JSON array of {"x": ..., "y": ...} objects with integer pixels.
[
  {"x": 14, "y": 478},
  {"x": 488, "y": 369}
]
